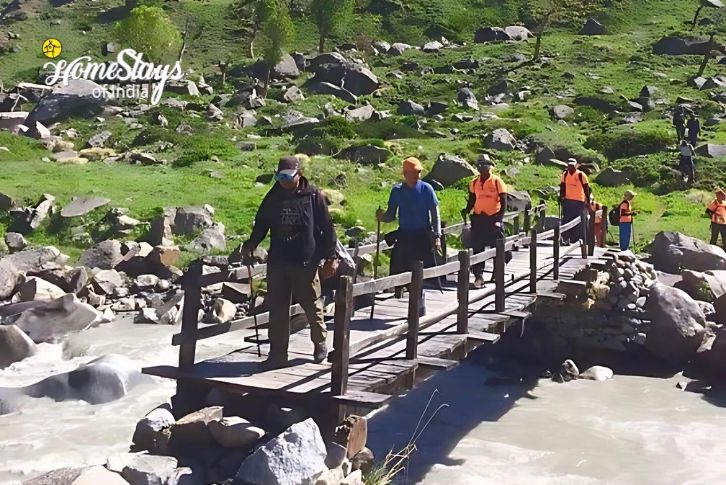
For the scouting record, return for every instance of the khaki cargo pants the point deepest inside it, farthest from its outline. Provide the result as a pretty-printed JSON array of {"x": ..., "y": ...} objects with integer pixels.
[{"x": 286, "y": 281}]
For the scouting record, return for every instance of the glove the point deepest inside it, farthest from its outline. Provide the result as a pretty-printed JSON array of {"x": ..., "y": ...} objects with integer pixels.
[
  {"x": 464, "y": 213},
  {"x": 246, "y": 251},
  {"x": 380, "y": 214}
]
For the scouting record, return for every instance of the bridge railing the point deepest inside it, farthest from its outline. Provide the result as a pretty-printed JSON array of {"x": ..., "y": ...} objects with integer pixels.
[{"x": 343, "y": 349}]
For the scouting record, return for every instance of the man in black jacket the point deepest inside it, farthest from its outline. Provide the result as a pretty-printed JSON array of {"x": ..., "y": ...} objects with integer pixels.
[{"x": 301, "y": 236}]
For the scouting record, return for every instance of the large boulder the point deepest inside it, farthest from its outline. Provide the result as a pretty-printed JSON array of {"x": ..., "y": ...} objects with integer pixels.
[
  {"x": 518, "y": 33},
  {"x": 210, "y": 239},
  {"x": 719, "y": 306},
  {"x": 593, "y": 27},
  {"x": 612, "y": 178},
  {"x": 365, "y": 154},
  {"x": 408, "y": 108},
  {"x": 673, "y": 251},
  {"x": 562, "y": 112},
  {"x": 102, "y": 380},
  {"x": 37, "y": 289},
  {"x": 500, "y": 139},
  {"x": 15, "y": 345},
  {"x": 49, "y": 321},
  {"x": 336, "y": 69},
  {"x": 333, "y": 90},
  {"x": 296, "y": 457},
  {"x": 467, "y": 98},
  {"x": 152, "y": 432},
  {"x": 79, "y": 98},
  {"x": 490, "y": 34},
  {"x": 677, "y": 46},
  {"x": 30, "y": 219},
  {"x": 235, "y": 432},
  {"x": 286, "y": 68},
  {"x": 518, "y": 200},
  {"x": 192, "y": 431},
  {"x": 678, "y": 325},
  {"x": 150, "y": 470},
  {"x": 104, "y": 255},
  {"x": 706, "y": 286},
  {"x": 189, "y": 220},
  {"x": 80, "y": 206},
  {"x": 711, "y": 151},
  {"x": 9, "y": 278},
  {"x": 450, "y": 169}
]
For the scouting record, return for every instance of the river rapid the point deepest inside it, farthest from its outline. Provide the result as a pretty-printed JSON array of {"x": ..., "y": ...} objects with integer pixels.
[{"x": 630, "y": 430}]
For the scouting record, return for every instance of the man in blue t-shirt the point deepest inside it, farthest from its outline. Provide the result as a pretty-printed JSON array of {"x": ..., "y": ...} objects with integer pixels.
[{"x": 419, "y": 224}]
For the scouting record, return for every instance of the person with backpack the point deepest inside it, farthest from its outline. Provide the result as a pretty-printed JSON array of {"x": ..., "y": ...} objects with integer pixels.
[
  {"x": 488, "y": 199},
  {"x": 574, "y": 193},
  {"x": 595, "y": 209},
  {"x": 419, "y": 224},
  {"x": 301, "y": 237},
  {"x": 717, "y": 211},
  {"x": 679, "y": 121},
  {"x": 625, "y": 222},
  {"x": 694, "y": 129},
  {"x": 687, "y": 163}
]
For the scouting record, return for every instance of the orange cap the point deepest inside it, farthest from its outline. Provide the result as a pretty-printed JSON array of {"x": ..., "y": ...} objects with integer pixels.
[{"x": 412, "y": 164}]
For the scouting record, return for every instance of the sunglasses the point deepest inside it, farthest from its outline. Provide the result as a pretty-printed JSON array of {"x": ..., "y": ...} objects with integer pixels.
[{"x": 283, "y": 177}]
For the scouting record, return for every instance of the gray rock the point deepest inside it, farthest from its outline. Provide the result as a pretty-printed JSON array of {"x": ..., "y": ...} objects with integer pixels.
[
  {"x": 337, "y": 70},
  {"x": 62, "y": 476},
  {"x": 434, "y": 46},
  {"x": 150, "y": 470},
  {"x": 562, "y": 112},
  {"x": 144, "y": 158},
  {"x": 711, "y": 151},
  {"x": 6, "y": 203},
  {"x": 15, "y": 345},
  {"x": 707, "y": 286},
  {"x": 48, "y": 321},
  {"x": 287, "y": 67},
  {"x": 190, "y": 220},
  {"x": 104, "y": 255},
  {"x": 593, "y": 27},
  {"x": 30, "y": 219},
  {"x": 146, "y": 281},
  {"x": 192, "y": 431},
  {"x": 293, "y": 94},
  {"x": 153, "y": 431},
  {"x": 491, "y": 34},
  {"x": 437, "y": 108},
  {"x": 500, "y": 139},
  {"x": 612, "y": 178},
  {"x": 235, "y": 432},
  {"x": 78, "y": 98},
  {"x": 398, "y": 48},
  {"x": 296, "y": 457},
  {"x": 673, "y": 251},
  {"x": 467, "y": 98},
  {"x": 107, "y": 281},
  {"x": 36, "y": 260},
  {"x": 80, "y": 206},
  {"x": 518, "y": 200},
  {"x": 499, "y": 87},
  {"x": 246, "y": 119},
  {"x": 409, "y": 107},
  {"x": 363, "y": 113},
  {"x": 450, "y": 169},
  {"x": 37, "y": 289},
  {"x": 99, "y": 139},
  {"x": 365, "y": 154},
  {"x": 676, "y": 46},
  {"x": 518, "y": 33},
  {"x": 332, "y": 89},
  {"x": 223, "y": 311},
  {"x": 381, "y": 46},
  {"x": 209, "y": 240},
  {"x": 15, "y": 241},
  {"x": 597, "y": 373},
  {"x": 214, "y": 113},
  {"x": 678, "y": 325}
]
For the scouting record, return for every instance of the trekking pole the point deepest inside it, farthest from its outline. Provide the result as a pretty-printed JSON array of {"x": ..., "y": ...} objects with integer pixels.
[
  {"x": 375, "y": 261},
  {"x": 438, "y": 278},
  {"x": 632, "y": 230},
  {"x": 253, "y": 305}
]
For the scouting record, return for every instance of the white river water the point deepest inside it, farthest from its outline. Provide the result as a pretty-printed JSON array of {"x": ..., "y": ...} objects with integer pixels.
[{"x": 631, "y": 430}]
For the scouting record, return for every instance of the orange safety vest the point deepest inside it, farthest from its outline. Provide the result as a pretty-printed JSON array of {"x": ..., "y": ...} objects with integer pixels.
[
  {"x": 487, "y": 194},
  {"x": 719, "y": 211},
  {"x": 628, "y": 208},
  {"x": 574, "y": 185}
]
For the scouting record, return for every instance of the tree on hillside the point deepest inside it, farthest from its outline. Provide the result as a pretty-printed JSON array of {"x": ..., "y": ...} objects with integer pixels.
[
  {"x": 329, "y": 16},
  {"x": 254, "y": 13},
  {"x": 150, "y": 31},
  {"x": 278, "y": 29},
  {"x": 547, "y": 12}
]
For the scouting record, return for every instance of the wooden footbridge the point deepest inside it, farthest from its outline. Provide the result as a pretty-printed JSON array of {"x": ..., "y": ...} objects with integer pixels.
[{"x": 371, "y": 359}]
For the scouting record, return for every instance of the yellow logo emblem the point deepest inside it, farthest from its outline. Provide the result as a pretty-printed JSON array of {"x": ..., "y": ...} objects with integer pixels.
[{"x": 52, "y": 48}]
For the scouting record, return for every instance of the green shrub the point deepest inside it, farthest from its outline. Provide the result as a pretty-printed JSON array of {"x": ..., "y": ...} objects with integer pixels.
[
  {"x": 628, "y": 142},
  {"x": 154, "y": 134},
  {"x": 200, "y": 148},
  {"x": 388, "y": 129}
]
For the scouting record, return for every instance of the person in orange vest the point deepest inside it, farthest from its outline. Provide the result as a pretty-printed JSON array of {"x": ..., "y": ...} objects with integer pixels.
[
  {"x": 717, "y": 210},
  {"x": 574, "y": 194},
  {"x": 488, "y": 200},
  {"x": 595, "y": 209},
  {"x": 626, "y": 219}
]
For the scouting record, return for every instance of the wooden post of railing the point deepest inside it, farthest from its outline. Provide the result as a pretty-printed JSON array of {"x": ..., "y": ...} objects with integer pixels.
[
  {"x": 556, "y": 253},
  {"x": 591, "y": 233},
  {"x": 527, "y": 220},
  {"x": 583, "y": 232},
  {"x": 515, "y": 225},
  {"x": 192, "y": 286},
  {"x": 462, "y": 293},
  {"x": 499, "y": 276},
  {"x": 341, "y": 336},
  {"x": 533, "y": 262},
  {"x": 414, "y": 302},
  {"x": 604, "y": 235}
]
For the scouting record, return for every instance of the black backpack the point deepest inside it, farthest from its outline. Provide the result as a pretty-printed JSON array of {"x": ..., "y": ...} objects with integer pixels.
[{"x": 614, "y": 215}]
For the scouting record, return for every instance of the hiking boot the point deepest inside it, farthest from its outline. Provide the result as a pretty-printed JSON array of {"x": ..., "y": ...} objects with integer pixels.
[
  {"x": 272, "y": 363},
  {"x": 478, "y": 281},
  {"x": 320, "y": 353}
]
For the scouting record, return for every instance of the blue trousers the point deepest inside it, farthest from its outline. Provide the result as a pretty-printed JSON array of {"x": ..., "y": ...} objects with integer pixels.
[{"x": 626, "y": 230}]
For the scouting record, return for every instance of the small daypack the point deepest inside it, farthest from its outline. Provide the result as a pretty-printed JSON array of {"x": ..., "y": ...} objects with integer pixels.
[{"x": 614, "y": 215}]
